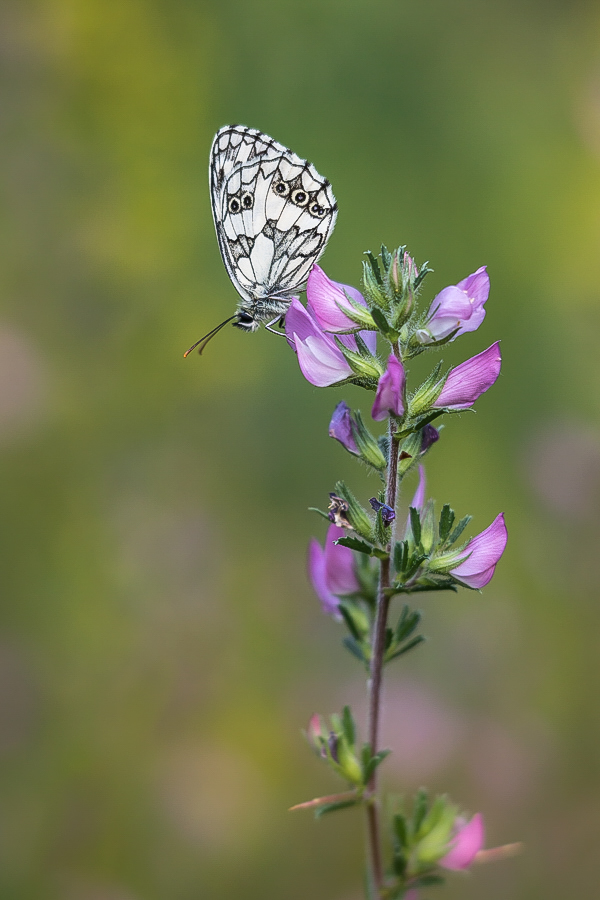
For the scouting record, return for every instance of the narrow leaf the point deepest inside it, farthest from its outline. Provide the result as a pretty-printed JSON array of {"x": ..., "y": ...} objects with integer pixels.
[
  {"x": 415, "y": 524},
  {"x": 355, "y": 648},
  {"x": 333, "y": 807},
  {"x": 446, "y": 522}
]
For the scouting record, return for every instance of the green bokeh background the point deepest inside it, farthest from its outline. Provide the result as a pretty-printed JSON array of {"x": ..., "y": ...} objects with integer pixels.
[{"x": 160, "y": 647}]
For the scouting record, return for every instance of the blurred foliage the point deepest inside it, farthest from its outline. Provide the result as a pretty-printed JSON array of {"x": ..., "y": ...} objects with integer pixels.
[{"x": 160, "y": 648}]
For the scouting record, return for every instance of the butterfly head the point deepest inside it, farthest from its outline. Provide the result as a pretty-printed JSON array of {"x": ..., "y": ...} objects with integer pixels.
[{"x": 246, "y": 322}]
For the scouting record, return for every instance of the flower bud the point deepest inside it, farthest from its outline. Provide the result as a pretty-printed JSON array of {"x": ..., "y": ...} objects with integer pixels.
[{"x": 373, "y": 286}]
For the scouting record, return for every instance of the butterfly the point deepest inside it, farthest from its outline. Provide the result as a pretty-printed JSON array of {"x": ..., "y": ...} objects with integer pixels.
[{"x": 273, "y": 215}]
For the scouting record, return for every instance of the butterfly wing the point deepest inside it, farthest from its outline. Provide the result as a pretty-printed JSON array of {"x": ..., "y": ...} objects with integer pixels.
[{"x": 273, "y": 216}]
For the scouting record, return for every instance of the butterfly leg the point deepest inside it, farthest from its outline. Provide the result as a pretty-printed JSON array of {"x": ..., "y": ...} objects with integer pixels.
[{"x": 280, "y": 320}]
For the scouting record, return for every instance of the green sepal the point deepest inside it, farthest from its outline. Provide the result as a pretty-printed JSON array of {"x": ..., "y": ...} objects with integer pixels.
[
  {"x": 426, "y": 395},
  {"x": 423, "y": 272},
  {"x": 358, "y": 314},
  {"x": 459, "y": 530},
  {"x": 420, "y": 807},
  {"x": 370, "y": 367},
  {"x": 427, "y": 528},
  {"x": 367, "y": 445},
  {"x": 374, "y": 264},
  {"x": 386, "y": 257},
  {"x": 383, "y": 324},
  {"x": 333, "y": 807},
  {"x": 321, "y": 513},
  {"x": 357, "y": 516}
]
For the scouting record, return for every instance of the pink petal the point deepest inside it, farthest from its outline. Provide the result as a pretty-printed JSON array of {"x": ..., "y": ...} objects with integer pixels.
[
  {"x": 323, "y": 296},
  {"x": 471, "y": 379},
  {"x": 317, "y": 574},
  {"x": 390, "y": 391},
  {"x": 418, "y": 500},
  {"x": 321, "y": 362},
  {"x": 468, "y": 841},
  {"x": 340, "y": 575},
  {"x": 486, "y": 549},
  {"x": 476, "y": 286}
]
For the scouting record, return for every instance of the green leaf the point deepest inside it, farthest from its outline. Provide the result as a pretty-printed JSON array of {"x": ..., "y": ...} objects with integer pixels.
[
  {"x": 427, "y": 881},
  {"x": 348, "y": 726},
  {"x": 420, "y": 809},
  {"x": 386, "y": 256},
  {"x": 459, "y": 530},
  {"x": 415, "y": 524},
  {"x": 419, "y": 639},
  {"x": 356, "y": 649},
  {"x": 407, "y": 624},
  {"x": 373, "y": 763},
  {"x": 400, "y": 830},
  {"x": 354, "y": 544},
  {"x": 333, "y": 807},
  {"x": 349, "y": 620},
  {"x": 400, "y": 555},
  {"x": 446, "y": 522}
]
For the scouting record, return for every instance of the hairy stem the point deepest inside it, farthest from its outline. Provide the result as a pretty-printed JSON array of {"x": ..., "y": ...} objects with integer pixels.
[{"x": 376, "y": 670}]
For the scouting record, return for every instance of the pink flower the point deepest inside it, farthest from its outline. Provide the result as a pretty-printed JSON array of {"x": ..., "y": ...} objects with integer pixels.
[
  {"x": 467, "y": 841},
  {"x": 331, "y": 570},
  {"x": 321, "y": 361},
  {"x": 470, "y": 379},
  {"x": 460, "y": 306},
  {"x": 340, "y": 427},
  {"x": 485, "y": 551},
  {"x": 390, "y": 391},
  {"x": 324, "y": 298}
]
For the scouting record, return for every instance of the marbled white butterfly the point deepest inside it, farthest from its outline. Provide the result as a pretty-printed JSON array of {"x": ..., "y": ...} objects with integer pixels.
[{"x": 273, "y": 216}]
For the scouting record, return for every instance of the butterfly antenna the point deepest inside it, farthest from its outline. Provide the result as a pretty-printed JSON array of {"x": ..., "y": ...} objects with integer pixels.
[{"x": 208, "y": 337}]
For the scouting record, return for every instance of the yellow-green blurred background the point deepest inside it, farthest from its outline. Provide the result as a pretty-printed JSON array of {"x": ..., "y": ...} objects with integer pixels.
[{"x": 160, "y": 648}]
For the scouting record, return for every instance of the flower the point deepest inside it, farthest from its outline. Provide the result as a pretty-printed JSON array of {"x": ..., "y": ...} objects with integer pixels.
[
  {"x": 331, "y": 570},
  {"x": 485, "y": 551},
  {"x": 390, "y": 391},
  {"x": 460, "y": 306},
  {"x": 429, "y": 435},
  {"x": 387, "y": 513},
  {"x": 324, "y": 298},
  {"x": 340, "y": 427},
  {"x": 470, "y": 379},
  {"x": 466, "y": 843},
  {"x": 321, "y": 361}
]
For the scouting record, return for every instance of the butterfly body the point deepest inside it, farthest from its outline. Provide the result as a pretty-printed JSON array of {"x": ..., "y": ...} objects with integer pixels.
[{"x": 273, "y": 216}]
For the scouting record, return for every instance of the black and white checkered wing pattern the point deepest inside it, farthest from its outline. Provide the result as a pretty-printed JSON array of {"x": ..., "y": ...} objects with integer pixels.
[{"x": 273, "y": 215}]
